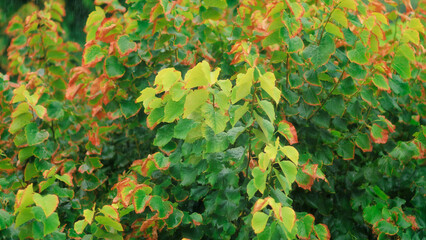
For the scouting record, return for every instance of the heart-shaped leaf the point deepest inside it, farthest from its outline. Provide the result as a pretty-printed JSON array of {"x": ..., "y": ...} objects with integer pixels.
[
  {"x": 48, "y": 203},
  {"x": 34, "y": 136}
]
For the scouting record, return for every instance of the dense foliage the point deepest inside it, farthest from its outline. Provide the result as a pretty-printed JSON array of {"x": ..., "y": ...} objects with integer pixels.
[{"x": 215, "y": 119}]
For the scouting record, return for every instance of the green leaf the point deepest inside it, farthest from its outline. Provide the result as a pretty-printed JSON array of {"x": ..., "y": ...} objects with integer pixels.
[
  {"x": 113, "y": 67},
  {"x": 372, "y": 214},
  {"x": 340, "y": 17},
  {"x": 381, "y": 82},
  {"x": 347, "y": 87},
  {"x": 243, "y": 86},
  {"x": 164, "y": 135},
  {"x": 200, "y": 75},
  {"x": 322, "y": 232},
  {"x": 24, "y": 215},
  {"x": 140, "y": 200},
  {"x": 88, "y": 215},
  {"x": 289, "y": 218},
  {"x": 173, "y": 110},
  {"x": 163, "y": 208},
  {"x": 215, "y": 142},
  {"x": 267, "y": 83},
  {"x": 291, "y": 153},
  {"x": 54, "y": 110},
  {"x": 311, "y": 76},
  {"x": 129, "y": 108},
  {"x": 175, "y": 219},
  {"x": 259, "y": 179},
  {"x": 19, "y": 122},
  {"x": 268, "y": 108},
  {"x": 310, "y": 97},
  {"x": 363, "y": 142},
  {"x": 335, "y": 106},
  {"x": 402, "y": 66},
  {"x": 56, "y": 55},
  {"x": 237, "y": 112},
  {"x": 320, "y": 54},
  {"x": 258, "y": 222},
  {"x": 48, "y": 203},
  {"x": 30, "y": 171},
  {"x": 79, "y": 226},
  {"x": 289, "y": 169},
  {"x": 92, "y": 55},
  {"x": 305, "y": 226},
  {"x": 333, "y": 29},
  {"x": 146, "y": 94},
  {"x": 266, "y": 126},
  {"x": 24, "y": 198},
  {"x": 234, "y": 132},
  {"x": 37, "y": 230},
  {"x": 356, "y": 71},
  {"x": 214, "y": 119},
  {"x": 288, "y": 131},
  {"x": 358, "y": 54},
  {"x": 125, "y": 46},
  {"x": 406, "y": 51},
  {"x": 155, "y": 117},
  {"x": 295, "y": 44},
  {"x": 215, "y": 3},
  {"x": 368, "y": 96},
  {"x": 350, "y": 4},
  {"x": 387, "y": 227},
  {"x": 109, "y": 222},
  {"x": 346, "y": 150},
  {"x": 378, "y": 134},
  {"x": 251, "y": 189},
  {"x": 167, "y": 77},
  {"x": 51, "y": 224},
  {"x": 183, "y": 127},
  {"x": 194, "y": 100}
]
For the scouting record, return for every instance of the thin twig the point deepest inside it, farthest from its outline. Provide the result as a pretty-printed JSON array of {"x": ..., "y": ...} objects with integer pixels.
[
  {"x": 326, "y": 22},
  {"x": 328, "y": 96}
]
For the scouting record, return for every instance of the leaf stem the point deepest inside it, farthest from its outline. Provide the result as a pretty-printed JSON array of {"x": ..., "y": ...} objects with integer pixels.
[
  {"x": 251, "y": 128},
  {"x": 328, "y": 96},
  {"x": 326, "y": 22}
]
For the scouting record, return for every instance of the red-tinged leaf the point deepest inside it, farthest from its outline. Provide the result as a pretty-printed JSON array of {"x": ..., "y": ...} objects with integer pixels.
[
  {"x": 305, "y": 226},
  {"x": 15, "y": 25},
  {"x": 24, "y": 198},
  {"x": 108, "y": 30},
  {"x": 287, "y": 129},
  {"x": 92, "y": 54},
  {"x": 296, "y": 9},
  {"x": 412, "y": 219},
  {"x": 113, "y": 68},
  {"x": 110, "y": 211},
  {"x": 155, "y": 117},
  {"x": 175, "y": 219},
  {"x": 363, "y": 142},
  {"x": 391, "y": 127},
  {"x": 311, "y": 170},
  {"x": 322, "y": 232},
  {"x": 381, "y": 82},
  {"x": 125, "y": 45},
  {"x": 378, "y": 134},
  {"x": 48, "y": 203},
  {"x": 304, "y": 180},
  {"x": 164, "y": 208}
]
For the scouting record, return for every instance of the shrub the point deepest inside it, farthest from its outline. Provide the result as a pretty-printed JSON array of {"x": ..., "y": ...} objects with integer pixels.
[{"x": 216, "y": 119}]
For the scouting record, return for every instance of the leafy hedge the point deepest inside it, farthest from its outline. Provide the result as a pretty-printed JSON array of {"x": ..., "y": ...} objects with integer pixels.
[{"x": 216, "y": 119}]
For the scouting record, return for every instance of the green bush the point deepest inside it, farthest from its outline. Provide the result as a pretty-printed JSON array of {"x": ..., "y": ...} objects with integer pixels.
[{"x": 215, "y": 119}]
